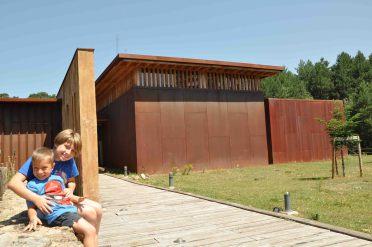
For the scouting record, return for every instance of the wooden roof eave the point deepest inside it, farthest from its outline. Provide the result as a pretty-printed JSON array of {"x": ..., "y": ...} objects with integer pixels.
[
  {"x": 192, "y": 61},
  {"x": 158, "y": 62},
  {"x": 215, "y": 68},
  {"x": 122, "y": 73}
]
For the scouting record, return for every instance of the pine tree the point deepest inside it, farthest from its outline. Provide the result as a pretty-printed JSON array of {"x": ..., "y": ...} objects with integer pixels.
[{"x": 285, "y": 85}]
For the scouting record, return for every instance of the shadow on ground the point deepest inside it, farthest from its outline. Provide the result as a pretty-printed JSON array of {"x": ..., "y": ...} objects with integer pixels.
[
  {"x": 20, "y": 218},
  {"x": 313, "y": 178}
]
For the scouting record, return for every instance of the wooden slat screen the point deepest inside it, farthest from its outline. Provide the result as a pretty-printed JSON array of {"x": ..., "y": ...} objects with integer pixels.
[{"x": 177, "y": 78}]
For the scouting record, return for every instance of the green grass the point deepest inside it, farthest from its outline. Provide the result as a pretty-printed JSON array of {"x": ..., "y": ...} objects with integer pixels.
[{"x": 345, "y": 202}]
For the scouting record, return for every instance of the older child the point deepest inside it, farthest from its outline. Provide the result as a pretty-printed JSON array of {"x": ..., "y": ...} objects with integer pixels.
[
  {"x": 64, "y": 213},
  {"x": 67, "y": 145}
]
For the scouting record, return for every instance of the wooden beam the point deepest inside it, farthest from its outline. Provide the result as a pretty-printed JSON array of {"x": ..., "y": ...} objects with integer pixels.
[{"x": 78, "y": 97}]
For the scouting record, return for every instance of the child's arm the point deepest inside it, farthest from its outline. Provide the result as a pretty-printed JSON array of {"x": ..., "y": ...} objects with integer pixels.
[
  {"x": 16, "y": 184},
  {"x": 71, "y": 185},
  {"x": 34, "y": 220},
  {"x": 76, "y": 199}
]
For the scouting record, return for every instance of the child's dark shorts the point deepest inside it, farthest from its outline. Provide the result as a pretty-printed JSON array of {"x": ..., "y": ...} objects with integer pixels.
[{"x": 66, "y": 219}]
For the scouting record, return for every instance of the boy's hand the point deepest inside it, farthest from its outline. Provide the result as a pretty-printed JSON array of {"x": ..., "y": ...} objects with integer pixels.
[
  {"x": 77, "y": 199},
  {"x": 68, "y": 192},
  {"x": 32, "y": 225},
  {"x": 43, "y": 204}
]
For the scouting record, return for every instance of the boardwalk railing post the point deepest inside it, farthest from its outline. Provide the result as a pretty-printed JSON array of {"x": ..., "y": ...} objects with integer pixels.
[{"x": 171, "y": 181}]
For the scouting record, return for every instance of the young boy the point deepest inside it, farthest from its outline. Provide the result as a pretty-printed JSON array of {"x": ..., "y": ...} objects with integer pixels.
[{"x": 63, "y": 212}]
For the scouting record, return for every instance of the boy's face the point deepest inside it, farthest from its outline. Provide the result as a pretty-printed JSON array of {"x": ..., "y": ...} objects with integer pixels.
[
  {"x": 64, "y": 151},
  {"x": 42, "y": 169}
]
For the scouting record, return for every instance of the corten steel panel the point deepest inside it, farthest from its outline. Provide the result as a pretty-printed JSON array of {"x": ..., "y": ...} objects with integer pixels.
[
  {"x": 259, "y": 150},
  {"x": 174, "y": 152},
  {"x": 296, "y": 134},
  {"x": 199, "y": 107},
  {"x": 217, "y": 119},
  {"x": 257, "y": 130},
  {"x": 172, "y": 119},
  {"x": 241, "y": 150},
  {"x": 237, "y": 107},
  {"x": 149, "y": 142},
  {"x": 197, "y": 147},
  {"x": 198, "y": 127},
  {"x": 256, "y": 114},
  {"x": 147, "y": 99},
  {"x": 27, "y": 125},
  {"x": 117, "y": 125},
  {"x": 219, "y": 151}
]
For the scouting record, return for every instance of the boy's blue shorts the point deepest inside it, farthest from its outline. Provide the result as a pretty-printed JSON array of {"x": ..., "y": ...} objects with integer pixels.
[{"x": 66, "y": 219}]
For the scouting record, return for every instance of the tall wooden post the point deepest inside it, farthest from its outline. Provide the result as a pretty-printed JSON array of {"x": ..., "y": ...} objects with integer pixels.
[
  {"x": 77, "y": 93},
  {"x": 360, "y": 158},
  {"x": 333, "y": 160},
  {"x": 343, "y": 162},
  {"x": 336, "y": 164}
]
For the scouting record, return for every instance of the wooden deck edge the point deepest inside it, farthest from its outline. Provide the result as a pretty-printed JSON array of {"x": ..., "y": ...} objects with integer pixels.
[{"x": 332, "y": 228}]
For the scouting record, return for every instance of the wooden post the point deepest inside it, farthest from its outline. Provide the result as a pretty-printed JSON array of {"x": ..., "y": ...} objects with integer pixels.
[
  {"x": 360, "y": 159},
  {"x": 336, "y": 163},
  {"x": 79, "y": 113},
  {"x": 333, "y": 161},
  {"x": 3, "y": 180},
  {"x": 343, "y": 162}
]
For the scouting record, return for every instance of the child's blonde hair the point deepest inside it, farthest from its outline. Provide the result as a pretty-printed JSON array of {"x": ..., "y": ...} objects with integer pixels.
[
  {"x": 71, "y": 137},
  {"x": 41, "y": 154}
]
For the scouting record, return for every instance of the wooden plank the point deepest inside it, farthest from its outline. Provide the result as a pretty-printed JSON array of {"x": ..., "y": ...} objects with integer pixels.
[
  {"x": 157, "y": 217},
  {"x": 301, "y": 239}
]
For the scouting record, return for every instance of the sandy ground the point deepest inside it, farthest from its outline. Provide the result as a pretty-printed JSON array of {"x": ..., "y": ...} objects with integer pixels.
[{"x": 13, "y": 219}]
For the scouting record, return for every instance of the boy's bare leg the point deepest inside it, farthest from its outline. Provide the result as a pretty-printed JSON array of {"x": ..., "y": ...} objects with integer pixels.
[
  {"x": 82, "y": 226},
  {"x": 91, "y": 211}
]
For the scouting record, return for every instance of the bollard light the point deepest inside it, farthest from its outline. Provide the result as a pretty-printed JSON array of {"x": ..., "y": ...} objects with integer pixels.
[
  {"x": 287, "y": 202},
  {"x": 125, "y": 171},
  {"x": 287, "y": 205},
  {"x": 171, "y": 181}
]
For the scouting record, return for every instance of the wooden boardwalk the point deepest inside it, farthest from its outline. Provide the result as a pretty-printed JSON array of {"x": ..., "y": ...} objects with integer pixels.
[{"x": 136, "y": 215}]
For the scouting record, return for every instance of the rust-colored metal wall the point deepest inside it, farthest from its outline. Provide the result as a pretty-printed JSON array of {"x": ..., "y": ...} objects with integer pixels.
[
  {"x": 117, "y": 133},
  {"x": 207, "y": 128},
  {"x": 295, "y": 134},
  {"x": 24, "y": 126}
]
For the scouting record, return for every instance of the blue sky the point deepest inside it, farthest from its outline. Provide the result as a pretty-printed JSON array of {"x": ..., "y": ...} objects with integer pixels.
[{"x": 38, "y": 38}]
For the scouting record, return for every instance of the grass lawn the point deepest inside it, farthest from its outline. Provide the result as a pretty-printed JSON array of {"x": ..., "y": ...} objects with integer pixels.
[{"x": 345, "y": 202}]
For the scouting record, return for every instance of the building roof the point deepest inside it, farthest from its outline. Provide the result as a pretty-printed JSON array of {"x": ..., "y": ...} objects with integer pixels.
[{"x": 122, "y": 61}]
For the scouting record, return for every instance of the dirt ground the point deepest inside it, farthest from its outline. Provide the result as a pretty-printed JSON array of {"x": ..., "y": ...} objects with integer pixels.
[{"x": 13, "y": 219}]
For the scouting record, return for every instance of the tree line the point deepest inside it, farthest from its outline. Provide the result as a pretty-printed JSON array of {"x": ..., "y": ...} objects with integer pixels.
[
  {"x": 349, "y": 79},
  {"x": 33, "y": 95}
]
